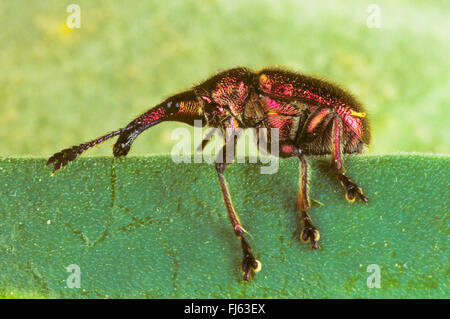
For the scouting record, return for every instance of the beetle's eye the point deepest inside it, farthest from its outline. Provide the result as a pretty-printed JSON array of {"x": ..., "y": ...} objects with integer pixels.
[{"x": 172, "y": 107}]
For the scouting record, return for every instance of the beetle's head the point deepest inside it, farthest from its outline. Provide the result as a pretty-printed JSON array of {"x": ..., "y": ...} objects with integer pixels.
[{"x": 182, "y": 107}]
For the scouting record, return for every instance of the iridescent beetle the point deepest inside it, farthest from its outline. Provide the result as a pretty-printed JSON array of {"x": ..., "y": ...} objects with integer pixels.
[{"x": 314, "y": 117}]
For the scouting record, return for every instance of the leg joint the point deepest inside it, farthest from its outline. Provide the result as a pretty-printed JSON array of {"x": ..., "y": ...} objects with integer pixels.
[{"x": 220, "y": 167}]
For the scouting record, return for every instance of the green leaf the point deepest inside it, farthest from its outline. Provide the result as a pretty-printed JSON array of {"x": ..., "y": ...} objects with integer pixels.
[{"x": 150, "y": 228}]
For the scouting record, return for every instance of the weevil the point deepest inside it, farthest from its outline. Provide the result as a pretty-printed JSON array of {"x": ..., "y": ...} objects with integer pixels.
[{"x": 313, "y": 117}]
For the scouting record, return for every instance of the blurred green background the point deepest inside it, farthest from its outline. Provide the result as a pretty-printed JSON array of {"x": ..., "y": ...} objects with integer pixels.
[{"x": 61, "y": 86}]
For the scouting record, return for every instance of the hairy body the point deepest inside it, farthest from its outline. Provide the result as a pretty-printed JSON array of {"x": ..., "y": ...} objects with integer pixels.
[{"x": 312, "y": 116}]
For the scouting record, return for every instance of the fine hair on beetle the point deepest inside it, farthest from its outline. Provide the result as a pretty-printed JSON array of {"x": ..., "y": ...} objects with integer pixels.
[{"x": 308, "y": 115}]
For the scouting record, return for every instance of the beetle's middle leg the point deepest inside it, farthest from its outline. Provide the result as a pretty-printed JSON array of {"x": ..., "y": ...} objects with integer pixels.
[
  {"x": 309, "y": 231},
  {"x": 249, "y": 263}
]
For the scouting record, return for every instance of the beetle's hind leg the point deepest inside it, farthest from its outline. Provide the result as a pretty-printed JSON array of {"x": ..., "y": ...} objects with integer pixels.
[
  {"x": 352, "y": 190},
  {"x": 309, "y": 231}
]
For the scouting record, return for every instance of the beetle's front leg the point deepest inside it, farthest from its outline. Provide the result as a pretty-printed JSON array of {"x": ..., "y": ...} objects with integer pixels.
[
  {"x": 352, "y": 189},
  {"x": 249, "y": 263}
]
